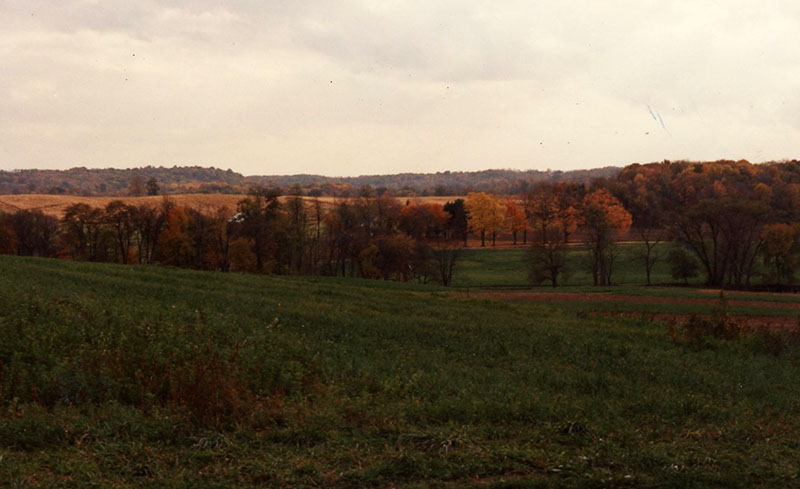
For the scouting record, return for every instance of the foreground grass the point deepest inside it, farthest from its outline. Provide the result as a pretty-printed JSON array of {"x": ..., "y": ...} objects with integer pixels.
[{"x": 150, "y": 377}]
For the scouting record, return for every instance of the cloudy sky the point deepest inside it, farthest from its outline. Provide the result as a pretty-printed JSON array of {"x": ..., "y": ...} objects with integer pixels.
[{"x": 351, "y": 87}]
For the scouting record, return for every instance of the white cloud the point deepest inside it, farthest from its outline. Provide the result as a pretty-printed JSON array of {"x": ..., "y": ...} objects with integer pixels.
[{"x": 370, "y": 87}]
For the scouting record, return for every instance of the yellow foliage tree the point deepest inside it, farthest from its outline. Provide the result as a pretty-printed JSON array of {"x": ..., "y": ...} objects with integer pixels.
[{"x": 484, "y": 214}]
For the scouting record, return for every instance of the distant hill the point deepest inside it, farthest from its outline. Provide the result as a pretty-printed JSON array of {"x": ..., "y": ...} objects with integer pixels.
[
  {"x": 112, "y": 181},
  {"x": 443, "y": 183},
  {"x": 195, "y": 179}
]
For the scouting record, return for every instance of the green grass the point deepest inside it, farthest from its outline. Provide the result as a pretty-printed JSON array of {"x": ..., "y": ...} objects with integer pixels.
[
  {"x": 154, "y": 377},
  {"x": 493, "y": 270},
  {"x": 497, "y": 268}
]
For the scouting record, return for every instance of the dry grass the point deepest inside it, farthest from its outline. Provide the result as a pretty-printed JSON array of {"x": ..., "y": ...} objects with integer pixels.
[{"x": 55, "y": 205}]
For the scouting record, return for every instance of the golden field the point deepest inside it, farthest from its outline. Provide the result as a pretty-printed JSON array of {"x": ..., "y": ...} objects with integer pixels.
[{"x": 55, "y": 205}]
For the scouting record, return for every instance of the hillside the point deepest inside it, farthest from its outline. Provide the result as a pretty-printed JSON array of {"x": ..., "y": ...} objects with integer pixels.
[
  {"x": 147, "y": 376},
  {"x": 115, "y": 182}
]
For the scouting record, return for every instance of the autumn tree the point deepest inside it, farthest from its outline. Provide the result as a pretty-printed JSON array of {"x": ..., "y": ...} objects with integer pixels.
[
  {"x": 395, "y": 256},
  {"x": 604, "y": 218},
  {"x": 297, "y": 229},
  {"x": 725, "y": 236},
  {"x": 257, "y": 217},
  {"x": 648, "y": 221},
  {"x": 780, "y": 252},
  {"x": 136, "y": 187},
  {"x": 568, "y": 200},
  {"x": 174, "y": 242},
  {"x": 317, "y": 212},
  {"x": 119, "y": 218},
  {"x": 83, "y": 232},
  {"x": 484, "y": 214},
  {"x": 36, "y": 233},
  {"x": 152, "y": 186},
  {"x": 340, "y": 226},
  {"x": 437, "y": 248},
  {"x": 8, "y": 238},
  {"x": 546, "y": 258},
  {"x": 424, "y": 221},
  {"x": 220, "y": 237},
  {"x": 445, "y": 254},
  {"x": 516, "y": 219},
  {"x": 543, "y": 209},
  {"x": 148, "y": 221}
]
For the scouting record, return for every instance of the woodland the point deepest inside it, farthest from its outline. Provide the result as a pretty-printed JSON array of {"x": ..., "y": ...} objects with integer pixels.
[
  {"x": 195, "y": 179},
  {"x": 735, "y": 223}
]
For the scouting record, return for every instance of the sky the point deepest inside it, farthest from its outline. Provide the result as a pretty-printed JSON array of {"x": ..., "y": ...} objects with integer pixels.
[{"x": 350, "y": 87}]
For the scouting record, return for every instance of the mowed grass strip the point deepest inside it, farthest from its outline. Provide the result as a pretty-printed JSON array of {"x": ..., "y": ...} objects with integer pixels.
[
  {"x": 507, "y": 267},
  {"x": 154, "y": 377}
]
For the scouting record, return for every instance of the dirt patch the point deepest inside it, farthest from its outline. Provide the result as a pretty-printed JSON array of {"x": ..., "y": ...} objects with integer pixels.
[{"x": 598, "y": 297}]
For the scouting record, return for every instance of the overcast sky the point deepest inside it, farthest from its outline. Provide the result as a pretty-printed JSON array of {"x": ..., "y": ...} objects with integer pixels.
[{"x": 350, "y": 87}]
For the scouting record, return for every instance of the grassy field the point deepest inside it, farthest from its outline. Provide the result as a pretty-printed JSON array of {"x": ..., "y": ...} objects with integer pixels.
[
  {"x": 497, "y": 268},
  {"x": 153, "y": 377}
]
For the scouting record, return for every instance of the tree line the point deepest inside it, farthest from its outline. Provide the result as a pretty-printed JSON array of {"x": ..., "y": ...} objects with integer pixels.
[
  {"x": 729, "y": 220},
  {"x": 194, "y": 179},
  {"x": 369, "y": 236},
  {"x": 366, "y": 236}
]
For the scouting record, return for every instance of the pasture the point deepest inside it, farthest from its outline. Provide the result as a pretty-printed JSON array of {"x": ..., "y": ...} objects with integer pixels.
[
  {"x": 157, "y": 377},
  {"x": 506, "y": 268}
]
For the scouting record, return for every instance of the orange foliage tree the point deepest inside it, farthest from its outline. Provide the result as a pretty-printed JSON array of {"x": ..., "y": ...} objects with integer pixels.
[
  {"x": 174, "y": 241},
  {"x": 424, "y": 221},
  {"x": 604, "y": 218},
  {"x": 516, "y": 219}
]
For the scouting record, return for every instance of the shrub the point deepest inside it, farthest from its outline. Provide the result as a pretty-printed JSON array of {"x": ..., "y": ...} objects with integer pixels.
[{"x": 683, "y": 266}]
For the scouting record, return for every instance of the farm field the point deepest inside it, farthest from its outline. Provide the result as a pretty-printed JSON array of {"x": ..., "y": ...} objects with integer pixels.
[
  {"x": 55, "y": 205},
  {"x": 157, "y": 377}
]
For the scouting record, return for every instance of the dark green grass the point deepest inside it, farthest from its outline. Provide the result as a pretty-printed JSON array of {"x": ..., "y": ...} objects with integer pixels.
[
  {"x": 599, "y": 299},
  {"x": 493, "y": 268},
  {"x": 338, "y": 383}
]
